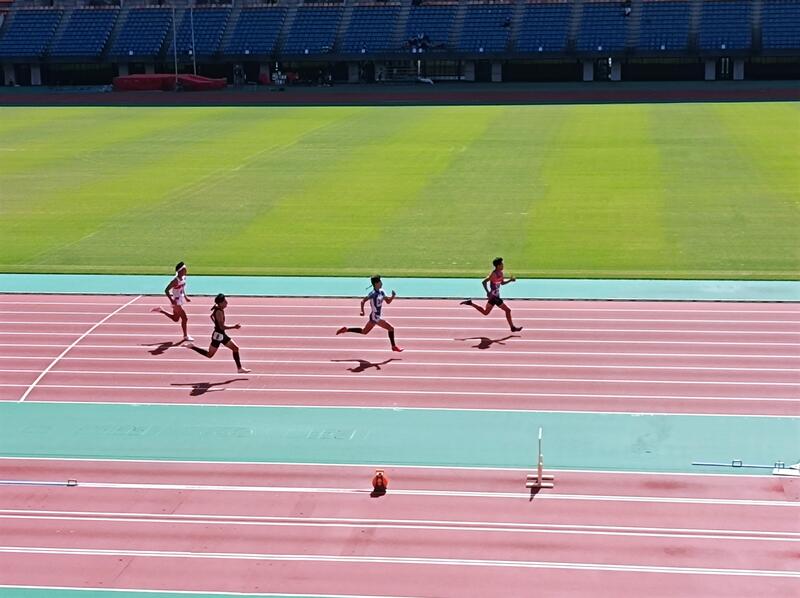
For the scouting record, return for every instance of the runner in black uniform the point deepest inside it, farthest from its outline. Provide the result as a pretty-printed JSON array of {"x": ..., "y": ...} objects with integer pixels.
[{"x": 219, "y": 336}]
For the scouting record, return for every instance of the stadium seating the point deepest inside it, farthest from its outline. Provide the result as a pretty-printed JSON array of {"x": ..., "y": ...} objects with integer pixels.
[
  {"x": 486, "y": 28},
  {"x": 86, "y": 33},
  {"x": 780, "y": 25},
  {"x": 208, "y": 24},
  {"x": 664, "y": 26},
  {"x": 256, "y": 31},
  {"x": 725, "y": 25},
  {"x": 313, "y": 30},
  {"x": 603, "y": 27},
  {"x": 434, "y": 23},
  {"x": 371, "y": 29},
  {"x": 29, "y": 33},
  {"x": 545, "y": 27},
  {"x": 143, "y": 33}
]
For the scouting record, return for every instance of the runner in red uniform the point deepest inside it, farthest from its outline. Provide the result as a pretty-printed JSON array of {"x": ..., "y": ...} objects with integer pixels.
[{"x": 496, "y": 279}]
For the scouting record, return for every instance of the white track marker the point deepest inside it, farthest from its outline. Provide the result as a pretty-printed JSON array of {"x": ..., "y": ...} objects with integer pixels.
[{"x": 75, "y": 342}]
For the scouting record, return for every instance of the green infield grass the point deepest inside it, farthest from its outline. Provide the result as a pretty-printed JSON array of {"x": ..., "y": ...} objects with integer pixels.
[{"x": 609, "y": 191}]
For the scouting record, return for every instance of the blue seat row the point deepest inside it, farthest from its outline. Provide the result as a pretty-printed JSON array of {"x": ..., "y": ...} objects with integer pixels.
[
  {"x": 86, "y": 33},
  {"x": 201, "y": 31},
  {"x": 545, "y": 27},
  {"x": 256, "y": 31},
  {"x": 143, "y": 33},
  {"x": 29, "y": 33},
  {"x": 313, "y": 30},
  {"x": 434, "y": 23},
  {"x": 780, "y": 24},
  {"x": 725, "y": 25},
  {"x": 664, "y": 26},
  {"x": 371, "y": 29},
  {"x": 486, "y": 28},
  {"x": 604, "y": 28}
]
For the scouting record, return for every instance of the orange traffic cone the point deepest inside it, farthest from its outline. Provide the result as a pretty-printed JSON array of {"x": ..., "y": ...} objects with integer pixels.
[{"x": 380, "y": 481}]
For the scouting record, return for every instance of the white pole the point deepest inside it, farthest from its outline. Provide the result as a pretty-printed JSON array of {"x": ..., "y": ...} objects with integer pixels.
[{"x": 194, "y": 54}]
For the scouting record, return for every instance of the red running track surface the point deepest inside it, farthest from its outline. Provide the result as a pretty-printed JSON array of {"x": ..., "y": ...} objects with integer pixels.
[
  {"x": 710, "y": 358},
  {"x": 438, "y": 532}
]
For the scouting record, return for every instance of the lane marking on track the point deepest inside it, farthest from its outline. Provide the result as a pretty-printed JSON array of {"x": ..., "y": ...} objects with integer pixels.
[
  {"x": 403, "y": 524},
  {"x": 533, "y": 305},
  {"x": 471, "y": 329},
  {"x": 398, "y": 560},
  {"x": 193, "y": 593},
  {"x": 397, "y": 407},
  {"x": 439, "y": 493},
  {"x": 336, "y": 345},
  {"x": 138, "y": 348},
  {"x": 43, "y": 373},
  {"x": 287, "y": 319},
  {"x": 414, "y": 377},
  {"x": 767, "y": 479},
  {"x": 406, "y": 364}
]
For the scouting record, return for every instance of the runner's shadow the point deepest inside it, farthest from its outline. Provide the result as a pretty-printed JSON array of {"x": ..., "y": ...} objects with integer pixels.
[
  {"x": 160, "y": 347},
  {"x": 486, "y": 342},
  {"x": 201, "y": 388},
  {"x": 363, "y": 364}
]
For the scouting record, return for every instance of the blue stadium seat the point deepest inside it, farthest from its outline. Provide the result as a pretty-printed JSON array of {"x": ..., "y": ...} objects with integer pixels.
[
  {"x": 486, "y": 28},
  {"x": 603, "y": 28},
  {"x": 434, "y": 23},
  {"x": 780, "y": 25},
  {"x": 256, "y": 32},
  {"x": 313, "y": 30},
  {"x": 664, "y": 26},
  {"x": 725, "y": 25},
  {"x": 86, "y": 33},
  {"x": 29, "y": 33},
  {"x": 209, "y": 26},
  {"x": 545, "y": 27},
  {"x": 371, "y": 29},
  {"x": 143, "y": 33}
]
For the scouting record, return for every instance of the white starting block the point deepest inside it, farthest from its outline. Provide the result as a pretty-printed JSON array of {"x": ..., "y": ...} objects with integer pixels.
[{"x": 540, "y": 479}]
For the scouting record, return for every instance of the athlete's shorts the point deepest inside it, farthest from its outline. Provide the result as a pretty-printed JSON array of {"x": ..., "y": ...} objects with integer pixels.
[
  {"x": 495, "y": 301},
  {"x": 179, "y": 300},
  {"x": 219, "y": 338},
  {"x": 375, "y": 318}
]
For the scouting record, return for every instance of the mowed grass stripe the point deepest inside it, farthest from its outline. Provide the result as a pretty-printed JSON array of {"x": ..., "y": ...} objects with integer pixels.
[
  {"x": 665, "y": 190},
  {"x": 719, "y": 185}
]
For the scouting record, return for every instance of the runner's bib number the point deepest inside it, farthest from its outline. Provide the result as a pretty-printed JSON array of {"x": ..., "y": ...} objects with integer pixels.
[{"x": 217, "y": 336}]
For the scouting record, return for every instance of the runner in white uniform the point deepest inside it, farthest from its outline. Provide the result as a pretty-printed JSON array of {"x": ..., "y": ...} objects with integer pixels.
[
  {"x": 376, "y": 299},
  {"x": 176, "y": 293}
]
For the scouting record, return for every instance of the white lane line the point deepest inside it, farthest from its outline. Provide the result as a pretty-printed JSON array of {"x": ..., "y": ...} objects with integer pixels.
[
  {"x": 755, "y": 478},
  {"x": 424, "y": 524},
  {"x": 159, "y": 326},
  {"x": 403, "y": 524},
  {"x": 439, "y": 493},
  {"x": 290, "y": 319},
  {"x": 398, "y": 561},
  {"x": 183, "y": 387},
  {"x": 417, "y": 377},
  {"x": 193, "y": 593},
  {"x": 336, "y": 363},
  {"x": 339, "y": 345},
  {"x": 533, "y": 305},
  {"x": 629, "y": 354},
  {"x": 75, "y": 342}
]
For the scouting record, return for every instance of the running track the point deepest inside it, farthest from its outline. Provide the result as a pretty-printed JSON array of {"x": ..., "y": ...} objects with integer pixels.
[{"x": 235, "y": 527}]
